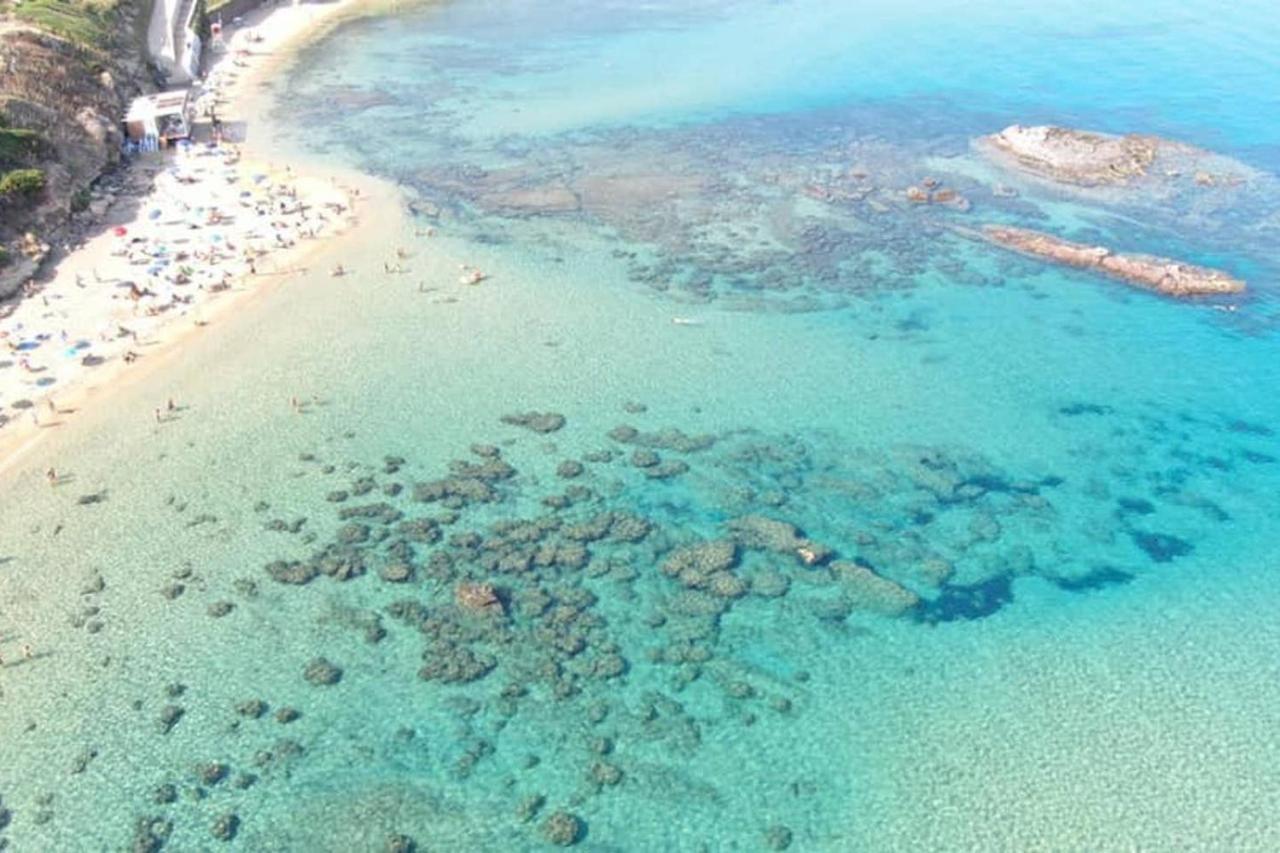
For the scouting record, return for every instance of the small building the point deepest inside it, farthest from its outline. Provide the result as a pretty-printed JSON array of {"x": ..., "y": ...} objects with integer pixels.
[{"x": 164, "y": 117}]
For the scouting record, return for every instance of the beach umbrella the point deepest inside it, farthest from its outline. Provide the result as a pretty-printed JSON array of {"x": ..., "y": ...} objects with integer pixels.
[
  {"x": 155, "y": 214},
  {"x": 120, "y": 231}
]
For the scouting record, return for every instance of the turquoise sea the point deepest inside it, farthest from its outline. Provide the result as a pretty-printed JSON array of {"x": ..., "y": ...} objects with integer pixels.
[{"x": 830, "y": 530}]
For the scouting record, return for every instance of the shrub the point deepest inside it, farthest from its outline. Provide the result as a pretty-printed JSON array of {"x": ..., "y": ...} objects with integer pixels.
[
  {"x": 18, "y": 146},
  {"x": 4, "y": 257},
  {"x": 80, "y": 200},
  {"x": 22, "y": 182}
]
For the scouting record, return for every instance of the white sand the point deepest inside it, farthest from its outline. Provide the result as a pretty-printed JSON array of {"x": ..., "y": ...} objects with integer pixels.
[{"x": 215, "y": 228}]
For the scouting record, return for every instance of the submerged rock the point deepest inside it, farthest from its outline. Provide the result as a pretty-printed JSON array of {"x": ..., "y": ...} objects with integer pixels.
[
  {"x": 252, "y": 708},
  {"x": 212, "y": 773},
  {"x": 321, "y": 671},
  {"x": 542, "y": 422},
  {"x": 218, "y": 609},
  {"x": 479, "y": 598},
  {"x": 150, "y": 834},
  {"x": 454, "y": 664},
  {"x": 694, "y": 565},
  {"x": 777, "y": 837},
  {"x": 399, "y": 843},
  {"x": 529, "y": 807},
  {"x": 287, "y": 715},
  {"x": 562, "y": 829},
  {"x": 169, "y": 716},
  {"x": 292, "y": 571},
  {"x": 569, "y": 469},
  {"x": 396, "y": 572},
  {"x": 867, "y": 590},
  {"x": 768, "y": 534},
  {"x": 225, "y": 827}
]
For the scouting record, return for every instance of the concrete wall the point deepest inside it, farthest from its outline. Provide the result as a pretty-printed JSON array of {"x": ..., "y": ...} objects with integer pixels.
[{"x": 172, "y": 41}]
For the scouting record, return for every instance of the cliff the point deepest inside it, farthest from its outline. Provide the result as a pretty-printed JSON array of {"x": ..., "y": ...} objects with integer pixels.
[{"x": 68, "y": 69}]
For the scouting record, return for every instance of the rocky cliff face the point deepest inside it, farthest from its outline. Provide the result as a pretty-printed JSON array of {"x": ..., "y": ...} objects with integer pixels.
[{"x": 62, "y": 95}]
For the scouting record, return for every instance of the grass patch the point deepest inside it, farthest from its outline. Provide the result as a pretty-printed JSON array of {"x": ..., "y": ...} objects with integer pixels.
[{"x": 85, "y": 22}]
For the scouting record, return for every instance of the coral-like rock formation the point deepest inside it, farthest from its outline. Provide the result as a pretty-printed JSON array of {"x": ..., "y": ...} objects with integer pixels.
[
  {"x": 562, "y": 829},
  {"x": 1163, "y": 275},
  {"x": 768, "y": 534},
  {"x": 478, "y": 598},
  {"x": 869, "y": 591}
]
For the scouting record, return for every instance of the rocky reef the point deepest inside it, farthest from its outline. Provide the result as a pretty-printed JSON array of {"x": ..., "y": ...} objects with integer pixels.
[
  {"x": 562, "y": 641},
  {"x": 1162, "y": 275}
]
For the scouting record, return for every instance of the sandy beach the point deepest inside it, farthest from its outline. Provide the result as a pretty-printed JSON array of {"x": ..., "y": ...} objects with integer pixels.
[{"x": 197, "y": 233}]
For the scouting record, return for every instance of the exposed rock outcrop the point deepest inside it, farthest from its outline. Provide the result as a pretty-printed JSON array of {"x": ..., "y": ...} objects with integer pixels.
[
  {"x": 1084, "y": 158},
  {"x": 1163, "y": 275},
  {"x": 1076, "y": 156}
]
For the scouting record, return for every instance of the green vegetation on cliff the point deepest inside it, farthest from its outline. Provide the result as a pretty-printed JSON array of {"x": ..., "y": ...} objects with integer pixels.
[
  {"x": 21, "y": 183},
  {"x": 88, "y": 23},
  {"x": 18, "y": 146}
]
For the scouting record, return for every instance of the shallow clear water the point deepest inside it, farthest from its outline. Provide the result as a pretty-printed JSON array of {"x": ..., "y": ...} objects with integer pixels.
[{"x": 1065, "y": 486}]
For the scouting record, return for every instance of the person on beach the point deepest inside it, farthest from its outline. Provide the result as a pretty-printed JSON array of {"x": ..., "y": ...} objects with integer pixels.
[
  {"x": 159, "y": 417},
  {"x": 52, "y": 476}
]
